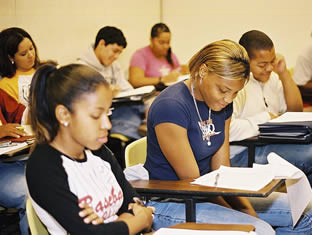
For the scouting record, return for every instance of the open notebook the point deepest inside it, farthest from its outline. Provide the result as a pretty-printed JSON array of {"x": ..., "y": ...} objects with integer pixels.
[{"x": 136, "y": 94}]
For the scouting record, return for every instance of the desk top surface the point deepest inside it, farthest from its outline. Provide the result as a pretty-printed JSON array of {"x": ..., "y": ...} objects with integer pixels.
[
  {"x": 183, "y": 189},
  {"x": 217, "y": 227}
]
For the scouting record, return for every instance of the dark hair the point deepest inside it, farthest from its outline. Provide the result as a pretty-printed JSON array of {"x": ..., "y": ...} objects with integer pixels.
[
  {"x": 255, "y": 40},
  {"x": 50, "y": 87},
  {"x": 110, "y": 35},
  {"x": 10, "y": 39},
  {"x": 157, "y": 29}
]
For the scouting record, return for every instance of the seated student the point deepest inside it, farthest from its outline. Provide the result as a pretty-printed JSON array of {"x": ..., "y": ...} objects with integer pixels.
[
  {"x": 188, "y": 136},
  {"x": 155, "y": 64},
  {"x": 75, "y": 184},
  {"x": 303, "y": 73},
  {"x": 18, "y": 62},
  {"x": 102, "y": 56},
  {"x": 270, "y": 92}
]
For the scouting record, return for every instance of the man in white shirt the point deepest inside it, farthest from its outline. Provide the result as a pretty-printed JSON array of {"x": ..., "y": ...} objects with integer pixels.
[
  {"x": 303, "y": 73},
  {"x": 269, "y": 93}
]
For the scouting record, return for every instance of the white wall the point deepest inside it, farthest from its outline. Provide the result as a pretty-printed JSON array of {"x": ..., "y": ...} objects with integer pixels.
[
  {"x": 195, "y": 23},
  {"x": 63, "y": 29}
]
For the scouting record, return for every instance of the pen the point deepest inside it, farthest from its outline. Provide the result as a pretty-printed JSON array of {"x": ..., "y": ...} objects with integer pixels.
[
  {"x": 216, "y": 179},
  {"x": 21, "y": 128}
]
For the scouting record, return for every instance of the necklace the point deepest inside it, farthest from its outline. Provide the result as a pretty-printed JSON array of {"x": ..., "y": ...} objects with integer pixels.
[{"x": 207, "y": 128}]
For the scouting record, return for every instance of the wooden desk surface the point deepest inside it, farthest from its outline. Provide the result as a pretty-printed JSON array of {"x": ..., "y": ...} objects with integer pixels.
[
  {"x": 213, "y": 227},
  {"x": 183, "y": 188}
]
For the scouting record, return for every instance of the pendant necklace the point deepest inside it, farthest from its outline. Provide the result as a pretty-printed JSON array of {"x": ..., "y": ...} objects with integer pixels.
[{"x": 207, "y": 127}]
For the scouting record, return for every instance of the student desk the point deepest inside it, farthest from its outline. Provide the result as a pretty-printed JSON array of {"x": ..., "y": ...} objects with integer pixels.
[
  {"x": 183, "y": 189},
  {"x": 252, "y": 142},
  {"x": 216, "y": 227},
  {"x": 17, "y": 152}
]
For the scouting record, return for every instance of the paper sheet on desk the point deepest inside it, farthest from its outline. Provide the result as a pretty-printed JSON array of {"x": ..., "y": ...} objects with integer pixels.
[
  {"x": 293, "y": 117},
  {"x": 176, "y": 231},
  {"x": 241, "y": 178},
  {"x": 136, "y": 92},
  {"x": 12, "y": 148},
  {"x": 180, "y": 79},
  {"x": 299, "y": 192}
]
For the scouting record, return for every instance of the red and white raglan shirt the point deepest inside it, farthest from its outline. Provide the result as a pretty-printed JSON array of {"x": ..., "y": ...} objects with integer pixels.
[{"x": 57, "y": 184}]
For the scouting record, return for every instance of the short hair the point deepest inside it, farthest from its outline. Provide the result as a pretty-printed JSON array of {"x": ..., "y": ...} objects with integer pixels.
[
  {"x": 225, "y": 58},
  {"x": 50, "y": 87},
  {"x": 10, "y": 39},
  {"x": 255, "y": 40},
  {"x": 111, "y": 35}
]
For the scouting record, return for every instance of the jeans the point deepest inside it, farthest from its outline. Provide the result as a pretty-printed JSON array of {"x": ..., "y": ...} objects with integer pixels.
[
  {"x": 170, "y": 213},
  {"x": 299, "y": 155},
  {"x": 273, "y": 210},
  {"x": 126, "y": 119},
  {"x": 13, "y": 189}
]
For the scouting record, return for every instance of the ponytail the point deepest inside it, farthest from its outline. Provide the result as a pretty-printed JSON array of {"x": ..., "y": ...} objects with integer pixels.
[{"x": 39, "y": 105}]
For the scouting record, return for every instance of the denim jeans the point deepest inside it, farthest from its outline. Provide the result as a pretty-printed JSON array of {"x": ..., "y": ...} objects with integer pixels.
[
  {"x": 272, "y": 211},
  {"x": 13, "y": 189},
  {"x": 299, "y": 155},
  {"x": 126, "y": 119}
]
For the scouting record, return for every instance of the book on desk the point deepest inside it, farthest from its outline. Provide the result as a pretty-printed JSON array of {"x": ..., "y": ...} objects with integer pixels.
[{"x": 293, "y": 126}]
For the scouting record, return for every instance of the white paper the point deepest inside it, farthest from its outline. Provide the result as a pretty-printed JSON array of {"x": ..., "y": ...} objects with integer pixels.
[
  {"x": 241, "y": 178},
  {"x": 176, "y": 231},
  {"x": 293, "y": 117},
  {"x": 180, "y": 79},
  {"x": 299, "y": 191},
  {"x": 137, "y": 91},
  {"x": 11, "y": 148}
]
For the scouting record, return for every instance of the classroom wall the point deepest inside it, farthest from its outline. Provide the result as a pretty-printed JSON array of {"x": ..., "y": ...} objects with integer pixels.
[
  {"x": 63, "y": 30},
  {"x": 196, "y": 23}
]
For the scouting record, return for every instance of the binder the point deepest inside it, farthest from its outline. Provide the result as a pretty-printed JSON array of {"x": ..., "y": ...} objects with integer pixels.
[{"x": 294, "y": 132}]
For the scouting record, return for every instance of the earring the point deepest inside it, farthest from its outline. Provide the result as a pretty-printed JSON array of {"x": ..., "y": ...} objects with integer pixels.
[
  {"x": 12, "y": 61},
  {"x": 65, "y": 124}
]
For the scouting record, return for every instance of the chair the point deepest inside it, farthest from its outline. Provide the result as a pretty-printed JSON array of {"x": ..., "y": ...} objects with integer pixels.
[
  {"x": 136, "y": 151},
  {"x": 117, "y": 144},
  {"x": 35, "y": 225}
]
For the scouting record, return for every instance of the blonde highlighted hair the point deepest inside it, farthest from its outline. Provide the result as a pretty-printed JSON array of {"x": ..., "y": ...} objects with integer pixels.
[{"x": 225, "y": 58}]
